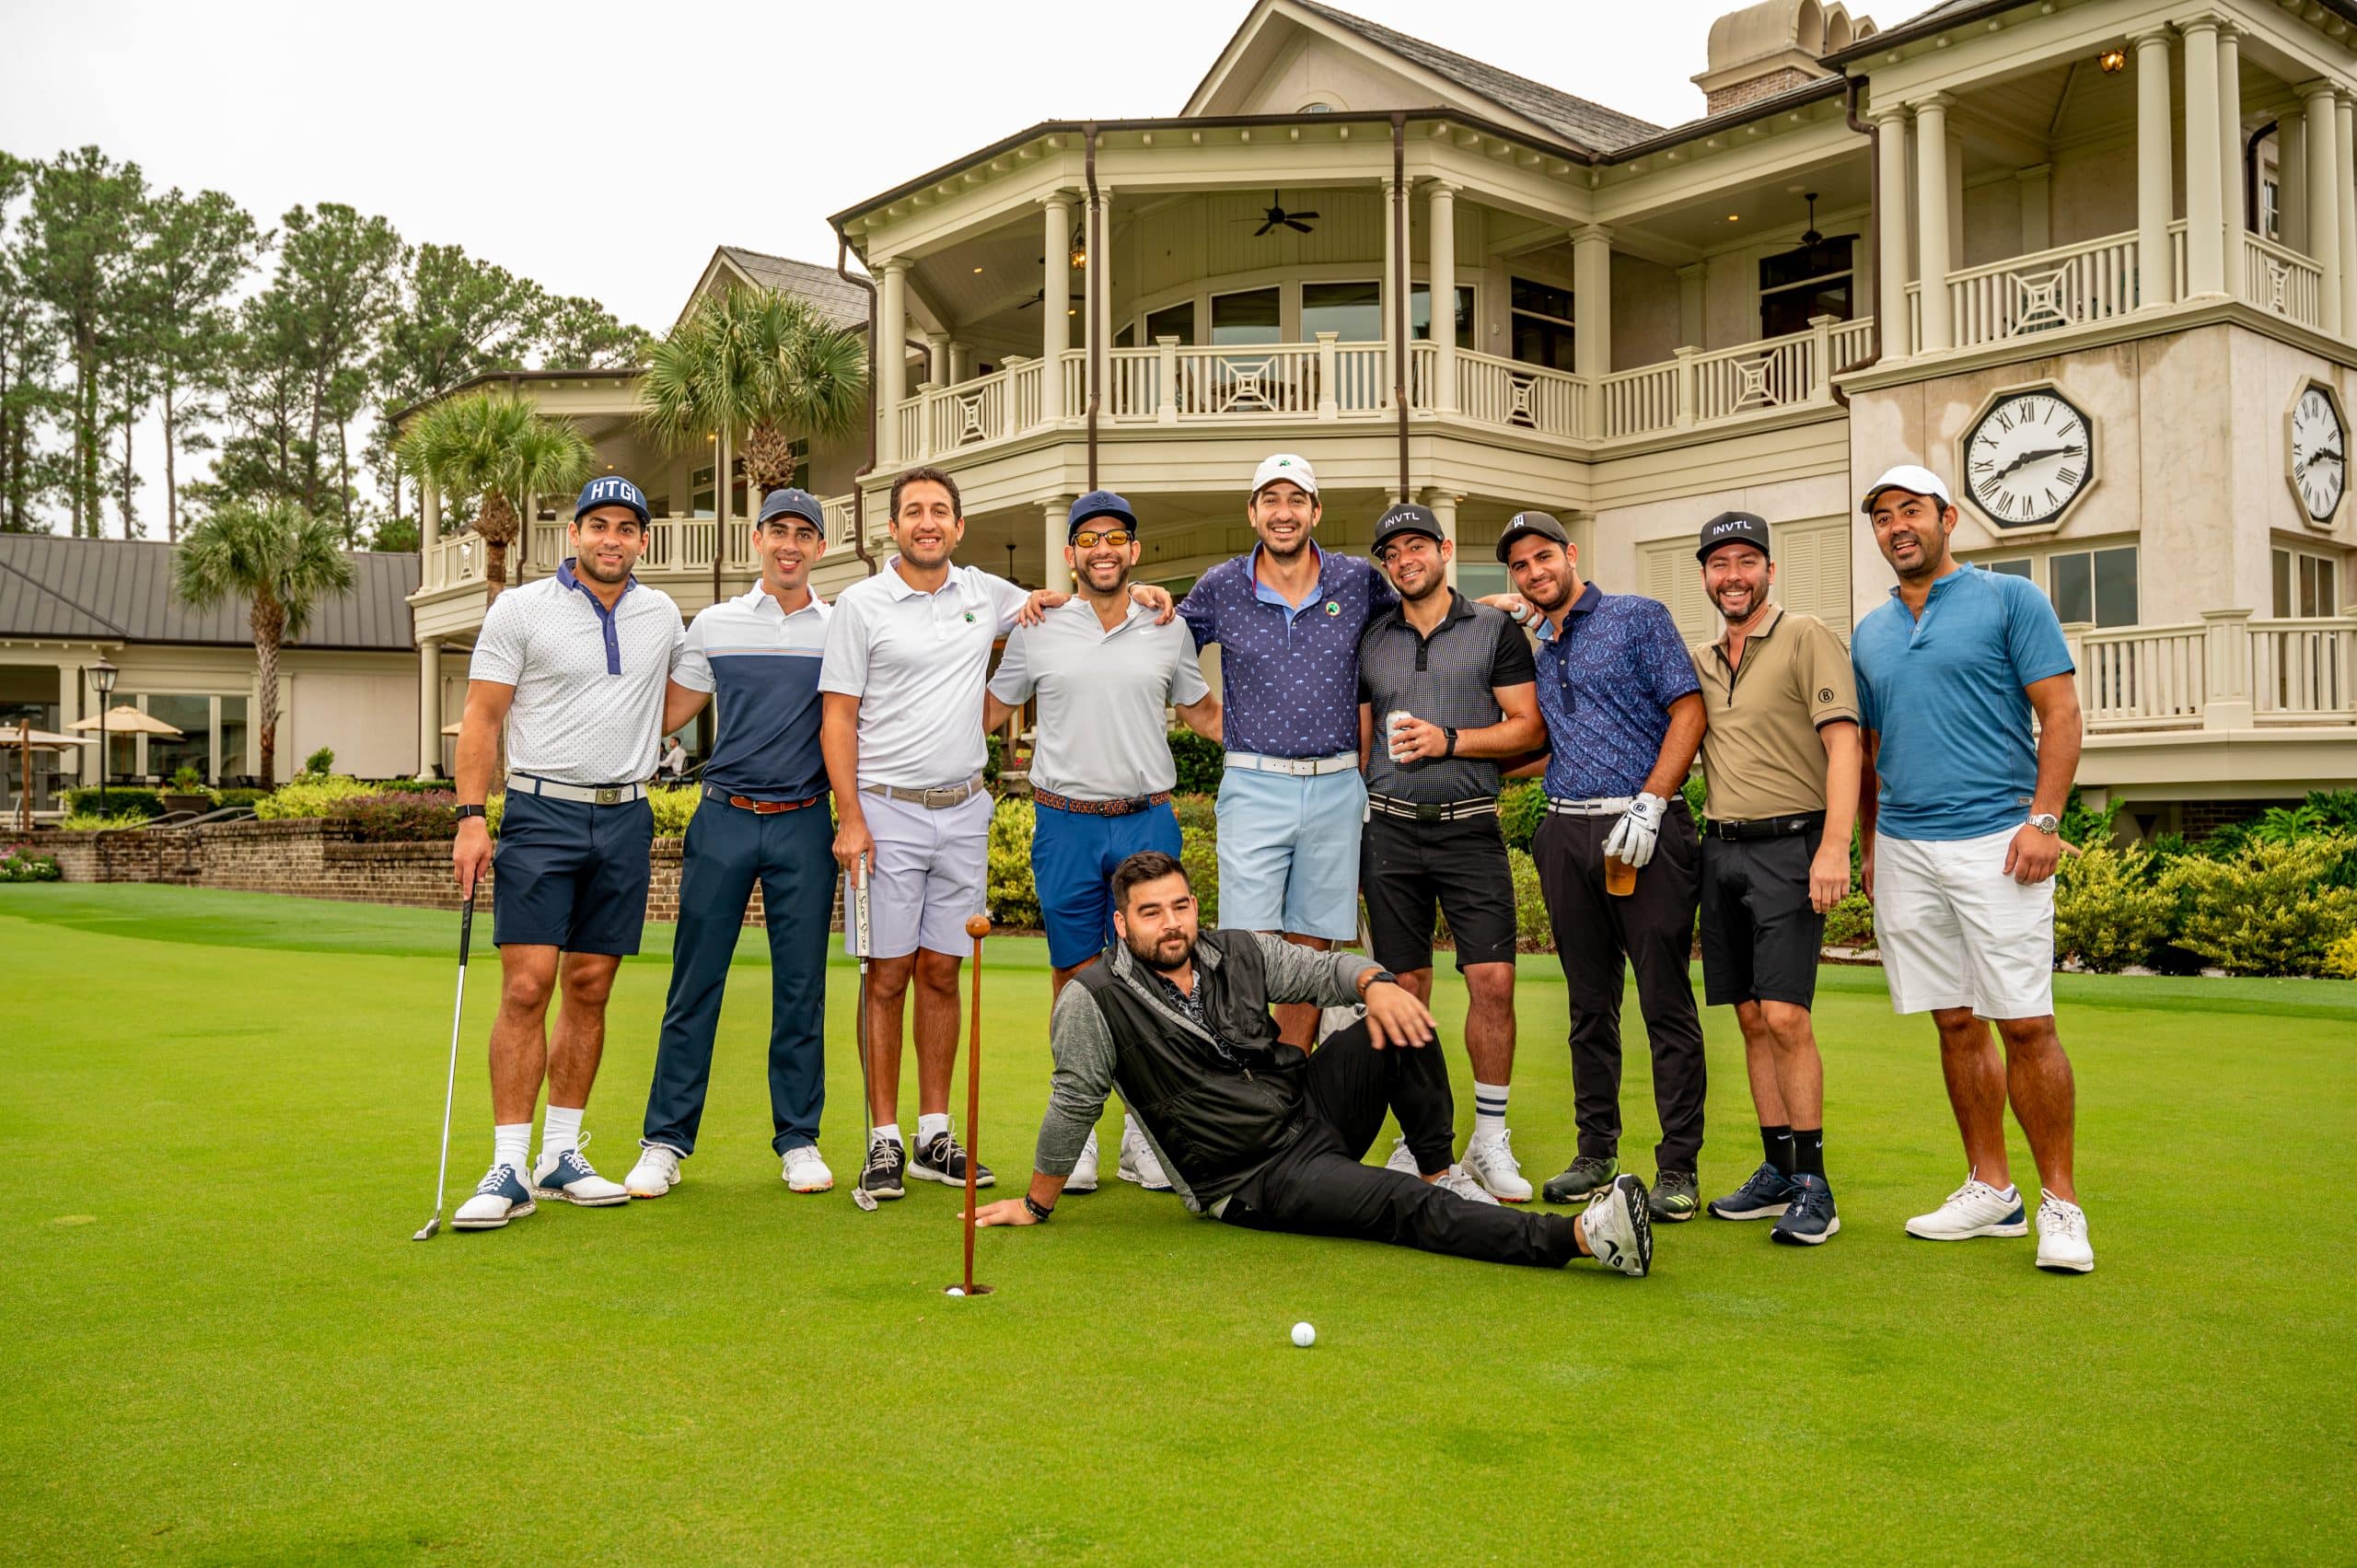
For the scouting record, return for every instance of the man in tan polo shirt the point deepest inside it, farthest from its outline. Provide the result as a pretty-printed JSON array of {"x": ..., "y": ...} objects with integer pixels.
[{"x": 1780, "y": 760}]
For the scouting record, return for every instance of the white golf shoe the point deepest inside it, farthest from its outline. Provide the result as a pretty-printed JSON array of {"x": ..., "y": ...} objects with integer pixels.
[
  {"x": 1084, "y": 1172},
  {"x": 501, "y": 1196},
  {"x": 1974, "y": 1209},
  {"x": 656, "y": 1172},
  {"x": 1138, "y": 1161},
  {"x": 1461, "y": 1181},
  {"x": 1489, "y": 1159},
  {"x": 1617, "y": 1223},
  {"x": 1403, "y": 1158},
  {"x": 804, "y": 1171},
  {"x": 569, "y": 1176},
  {"x": 2063, "y": 1245}
]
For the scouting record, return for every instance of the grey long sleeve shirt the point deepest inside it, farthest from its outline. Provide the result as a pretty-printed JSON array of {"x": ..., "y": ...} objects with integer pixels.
[{"x": 1085, "y": 1055}]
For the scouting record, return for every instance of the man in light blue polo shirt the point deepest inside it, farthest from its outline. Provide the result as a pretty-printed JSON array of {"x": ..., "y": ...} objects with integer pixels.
[
  {"x": 762, "y": 820},
  {"x": 1961, "y": 845}
]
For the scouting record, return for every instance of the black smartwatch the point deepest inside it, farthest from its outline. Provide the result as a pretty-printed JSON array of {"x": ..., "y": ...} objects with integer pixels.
[
  {"x": 1451, "y": 733},
  {"x": 1380, "y": 976},
  {"x": 1037, "y": 1213},
  {"x": 465, "y": 811}
]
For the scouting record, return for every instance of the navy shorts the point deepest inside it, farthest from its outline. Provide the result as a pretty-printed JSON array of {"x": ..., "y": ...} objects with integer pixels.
[
  {"x": 571, "y": 875},
  {"x": 1073, "y": 854}
]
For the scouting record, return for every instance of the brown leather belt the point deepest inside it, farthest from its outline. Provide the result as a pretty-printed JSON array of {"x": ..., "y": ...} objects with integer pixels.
[
  {"x": 758, "y": 808},
  {"x": 1128, "y": 807}
]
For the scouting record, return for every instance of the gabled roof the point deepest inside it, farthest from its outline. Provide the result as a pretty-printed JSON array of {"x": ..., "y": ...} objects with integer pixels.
[
  {"x": 121, "y": 590},
  {"x": 845, "y": 304}
]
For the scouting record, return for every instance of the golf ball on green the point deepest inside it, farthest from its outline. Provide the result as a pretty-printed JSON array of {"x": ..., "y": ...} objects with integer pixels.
[
  {"x": 957, "y": 1290},
  {"x": 1304, "y": 1335}
]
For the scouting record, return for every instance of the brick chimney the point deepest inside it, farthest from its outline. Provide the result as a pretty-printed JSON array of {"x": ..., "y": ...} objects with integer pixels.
[{"x": 1773, "y": 47}]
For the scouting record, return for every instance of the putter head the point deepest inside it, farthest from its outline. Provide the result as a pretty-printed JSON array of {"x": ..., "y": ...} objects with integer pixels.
[
  {"x": 431, "y": 1226},
  {"x": 859, "y": 1195}
]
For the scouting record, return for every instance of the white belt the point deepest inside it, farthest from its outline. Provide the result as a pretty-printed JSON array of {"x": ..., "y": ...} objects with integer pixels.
[
  {"x": 1299, "y": 767},
  {"x": 588, "y": 795},
  {"x": 1613, "y": 806}
]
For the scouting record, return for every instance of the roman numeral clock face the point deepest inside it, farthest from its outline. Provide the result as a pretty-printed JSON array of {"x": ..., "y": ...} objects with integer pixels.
[
  {"x": 2319, "y": 453},
  {"x": 2028, "y": 459}
]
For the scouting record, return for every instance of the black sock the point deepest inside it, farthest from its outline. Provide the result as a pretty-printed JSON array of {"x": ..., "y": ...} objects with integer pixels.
[
  {"x": 1808, "y": 1152},
  {"x": 1777, "y": 1143}
]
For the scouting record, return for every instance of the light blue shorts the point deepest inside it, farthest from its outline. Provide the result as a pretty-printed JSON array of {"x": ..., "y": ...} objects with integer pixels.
[{"x": 1289, "y": 852}]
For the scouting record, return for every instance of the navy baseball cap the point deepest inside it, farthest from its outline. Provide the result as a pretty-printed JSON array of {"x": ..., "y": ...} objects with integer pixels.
[
  {"x": 790, "y": 501},
  {"x": 1100, "y": 504},
  {"x": 1734, "y": 527},
  {"x": 612, "y": 490},
  {"x": 1522, "y": 524},
  {"x": 1407, "y": 518}
]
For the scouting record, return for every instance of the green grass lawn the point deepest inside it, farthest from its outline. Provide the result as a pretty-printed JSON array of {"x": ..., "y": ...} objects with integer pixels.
[{"x": 218, "y": 1343}]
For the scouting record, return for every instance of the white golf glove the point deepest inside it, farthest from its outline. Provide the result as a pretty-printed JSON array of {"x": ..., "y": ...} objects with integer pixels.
[{"x": 1631, "y": 839}]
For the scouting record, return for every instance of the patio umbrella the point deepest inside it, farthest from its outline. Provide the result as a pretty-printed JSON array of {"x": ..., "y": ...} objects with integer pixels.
[
  {"x": 28, "y": 741},
  {"x": 124, "y": 720}
]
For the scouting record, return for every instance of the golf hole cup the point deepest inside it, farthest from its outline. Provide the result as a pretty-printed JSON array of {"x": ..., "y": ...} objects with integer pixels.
[{"x": 1391, "y": 722}]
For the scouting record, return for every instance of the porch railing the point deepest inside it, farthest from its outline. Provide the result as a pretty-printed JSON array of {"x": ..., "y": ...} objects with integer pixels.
[
  {"x": 2304, "y": 670},
  {"x": 2226, "y": 670},
  {"x": 2067, "y": 287},
  {"x": 2280, "y": 280},
  {"x": 1515, "y": 396}
]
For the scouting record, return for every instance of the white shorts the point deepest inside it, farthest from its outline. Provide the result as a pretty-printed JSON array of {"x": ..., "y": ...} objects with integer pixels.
[
  {"x": 1957, "y": 932},
  {"x": 932, "y": 873}
]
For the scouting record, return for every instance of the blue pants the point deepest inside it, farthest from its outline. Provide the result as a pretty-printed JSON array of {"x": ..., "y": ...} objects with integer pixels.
[
  {"x": 791, "y": 854},
  {"x": 1073, "y": 856}
]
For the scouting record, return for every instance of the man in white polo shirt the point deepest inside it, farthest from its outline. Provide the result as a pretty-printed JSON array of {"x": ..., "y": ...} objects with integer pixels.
[
  {"x": 575, "y": 665},
  {"x": 907, "y": 652}
]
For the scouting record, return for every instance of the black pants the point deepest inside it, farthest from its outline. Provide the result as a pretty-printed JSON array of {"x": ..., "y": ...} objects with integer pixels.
[
  {"x": 1655, "y": 928},
  {"x": 1318, "y": 1187}
]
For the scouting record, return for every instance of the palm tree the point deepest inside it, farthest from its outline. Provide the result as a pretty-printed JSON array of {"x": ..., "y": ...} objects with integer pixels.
[
  {"x": 497, "y": 447},
  {"x": 283, "y": 559},
  {"x": 759, "y": 360}
]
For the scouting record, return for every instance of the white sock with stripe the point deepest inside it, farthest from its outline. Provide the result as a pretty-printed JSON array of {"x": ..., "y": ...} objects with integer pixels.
[{"x": 1489, "y": 1108}]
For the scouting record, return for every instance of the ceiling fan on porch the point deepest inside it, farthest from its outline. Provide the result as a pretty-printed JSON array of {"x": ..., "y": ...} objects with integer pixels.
[
  {"x": 1274, "y": 214},
  {"x": 1811, "y": 238}
]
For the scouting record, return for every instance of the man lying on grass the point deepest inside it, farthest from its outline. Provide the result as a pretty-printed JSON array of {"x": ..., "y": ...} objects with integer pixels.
[{"x": 1255, "y": 1133}]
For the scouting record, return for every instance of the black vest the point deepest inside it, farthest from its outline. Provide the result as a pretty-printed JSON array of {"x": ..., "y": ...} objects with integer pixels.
[{"x": 1217, "y": 1122}]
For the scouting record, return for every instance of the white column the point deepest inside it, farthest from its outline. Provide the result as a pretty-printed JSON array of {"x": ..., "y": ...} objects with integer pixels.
[
  {"x": 1691, "y": 279},
  {"x": 936, "y": 359},
  {"x": 1890, "y": 227},
  {"x": 2292, "y": 180},
  {"x": 2155, "y": 188},
  {"x": 891, "y": 359},
  {"x": 2233, "y": 197},
  {"x": 2324, "y": 195},
  {"x": 1442, "y": 504},
  {"x": 1592, "y": 319},
  {"x": 2204, "y": 181},
  {"x": 1052, "y": 512},
  {"x": 1931, "y": 218},
  {"x": 1100, "y": 272},
  {"x": 430, "y": 510},
  {"x": 961, "y": 362},
  {"x": 429, "y": 707},
  {"x": 1395, "y": 283},
  {"x": 2344, "y": 148},
  {"x": 1440, "y": 274},
  {"x": 1055, "y": 298},
  {"x": 724, "y": 487}
]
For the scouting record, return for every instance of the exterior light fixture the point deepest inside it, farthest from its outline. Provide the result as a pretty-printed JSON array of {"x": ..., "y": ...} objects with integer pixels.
[
  {"x": 1733, "y": 217},
  {"x": 1079, "y": 248},
  {"x": 978, "y": 271},
  {"x": 2113, "y": 61},
  {"x": 102, "y": 676}
]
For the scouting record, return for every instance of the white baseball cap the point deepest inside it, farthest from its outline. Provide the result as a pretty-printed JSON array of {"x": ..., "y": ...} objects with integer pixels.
[
  {"x": 1284, "y": 465},
  {"x": 1913, "y": 478}
]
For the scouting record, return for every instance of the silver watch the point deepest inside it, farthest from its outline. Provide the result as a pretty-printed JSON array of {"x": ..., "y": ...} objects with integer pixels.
[{"x": 2046, "y": 822}]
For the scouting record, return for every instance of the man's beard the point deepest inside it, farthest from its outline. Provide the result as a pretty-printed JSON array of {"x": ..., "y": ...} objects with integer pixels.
[
  {"x": 1150, "y": 956},
  {"x": 586, "y": 566},
  {"x": 1120, "y": 585},
  {"x": 1434, "y": 582}
]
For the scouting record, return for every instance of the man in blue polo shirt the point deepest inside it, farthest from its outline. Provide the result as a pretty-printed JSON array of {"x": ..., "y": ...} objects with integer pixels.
[
  {"x": 1287, "y": 616},
  {"x": 1624, "y": 718},
  {"x": 762, "y": 820}
]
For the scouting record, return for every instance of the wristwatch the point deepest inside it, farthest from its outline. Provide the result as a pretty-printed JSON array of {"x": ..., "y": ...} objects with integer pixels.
[
  {"x": 465, "y": 811},
  {"x": 1451, "y": 733},
  {"x": 1370, "y": 979},
  {"x": 1042, "y": 1215},
  {"x": 2046, "y": 822}
]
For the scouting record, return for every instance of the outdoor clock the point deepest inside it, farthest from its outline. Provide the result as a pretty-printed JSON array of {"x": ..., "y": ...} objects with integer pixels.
[
  {"x": 2319, "y": 452},
  {"x": 2027, "y": 457}
]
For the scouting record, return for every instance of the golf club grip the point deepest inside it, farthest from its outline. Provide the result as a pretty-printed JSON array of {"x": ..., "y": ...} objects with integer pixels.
[{"x": 466, "y": 928}]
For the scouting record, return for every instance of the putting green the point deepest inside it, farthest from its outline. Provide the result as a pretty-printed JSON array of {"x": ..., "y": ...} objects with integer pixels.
[{"x": 222, "y": 1347}]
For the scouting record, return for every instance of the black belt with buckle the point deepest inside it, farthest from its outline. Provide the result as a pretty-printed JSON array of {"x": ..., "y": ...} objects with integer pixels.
[
  {"x": 1764, "y": 827},
  {"x": 1432, "y": 811}
]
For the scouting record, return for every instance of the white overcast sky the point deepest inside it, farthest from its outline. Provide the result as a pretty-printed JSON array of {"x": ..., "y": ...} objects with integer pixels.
[{"x": 604, "y": 148}]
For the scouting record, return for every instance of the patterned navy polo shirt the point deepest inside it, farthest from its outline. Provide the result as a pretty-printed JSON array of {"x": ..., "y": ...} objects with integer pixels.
[
  {"x": 1291, "y": 672},
  {"x": 1604, "y": 688}
]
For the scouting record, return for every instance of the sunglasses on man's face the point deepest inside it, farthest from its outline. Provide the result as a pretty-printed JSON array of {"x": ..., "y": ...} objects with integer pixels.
[{"x": 1090, "y": 540}]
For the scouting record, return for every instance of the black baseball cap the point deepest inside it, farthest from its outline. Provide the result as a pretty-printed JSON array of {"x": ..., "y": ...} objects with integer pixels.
[
  {"x": 791, "y": 502},
  {"x": 1734, "y": 527},
  {"x": 1522, "y": 524},
  {"x": 1407, "y": 518}
]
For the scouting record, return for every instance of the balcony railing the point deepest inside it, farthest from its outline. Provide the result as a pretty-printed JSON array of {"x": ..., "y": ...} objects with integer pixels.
[
  {"x": 2223, "y": 671},
  {"x": 2280, "y": 280},
  {"x": 674, "y": 546},
  {"x": 1702, "y": 390}
]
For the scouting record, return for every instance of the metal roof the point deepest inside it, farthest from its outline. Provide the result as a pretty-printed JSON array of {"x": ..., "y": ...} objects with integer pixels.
[
  {"x": 121, "y": 590},
  {"x": 845, "y": 304}
]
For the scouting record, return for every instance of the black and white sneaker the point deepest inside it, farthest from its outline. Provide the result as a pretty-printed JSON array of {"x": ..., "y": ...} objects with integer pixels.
[
  {"x": 942, "y": 1158},
  {"x": 880, "y": 1176}
]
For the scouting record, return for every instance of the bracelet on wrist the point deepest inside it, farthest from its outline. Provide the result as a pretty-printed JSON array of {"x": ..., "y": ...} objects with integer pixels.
[{"x": 1037, "y": 1212}]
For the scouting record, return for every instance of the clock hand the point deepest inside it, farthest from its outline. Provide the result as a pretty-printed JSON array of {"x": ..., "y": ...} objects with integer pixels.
[{"x": 2036, "y": 455}]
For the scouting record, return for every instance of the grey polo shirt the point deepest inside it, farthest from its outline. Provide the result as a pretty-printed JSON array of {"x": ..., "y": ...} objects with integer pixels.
[
  {"x": 1102, "y": 733},
  {"x": 1449, "y": 678}
]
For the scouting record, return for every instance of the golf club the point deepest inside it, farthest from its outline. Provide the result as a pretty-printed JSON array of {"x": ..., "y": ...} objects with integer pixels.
[
  {"x": 450, "y": 1084},
  {"x": 977, "y": 927},
  {"x": 855, "y": 916}
]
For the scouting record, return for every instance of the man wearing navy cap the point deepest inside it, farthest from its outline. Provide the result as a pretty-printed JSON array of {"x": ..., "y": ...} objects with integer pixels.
[
  {"x": 1104, "y": 671},
  {"x": 575, "y": 664},
  {"x": 762, "y": 821}
]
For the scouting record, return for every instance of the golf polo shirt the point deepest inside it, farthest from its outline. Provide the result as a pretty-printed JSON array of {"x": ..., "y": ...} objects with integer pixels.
[
  {"x": 762, "y": 666},
  {"x": 1604, "y": 688},
  {"x": 1761, "y": 756},
  {"x": 1102, "y": 733},
  {"x": 916, "y": 661},
  {"x": 1290, "y": 672},
  {"x": 1449, "y": 678},
  {"x": 588, "y": 706},
  {"x": 1944, "y": 690}
]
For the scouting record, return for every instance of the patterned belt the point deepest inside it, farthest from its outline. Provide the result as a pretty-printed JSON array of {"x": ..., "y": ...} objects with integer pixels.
[
  {"x": 758, "y": 808},
  {"x": 1128, "y": 807},
  {"x": 940, "y": 800},
  {"x": 1428, "y": 811}
]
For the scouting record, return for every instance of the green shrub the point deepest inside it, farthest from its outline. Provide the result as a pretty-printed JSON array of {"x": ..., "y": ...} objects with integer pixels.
[
  {"x": 2341, "y": 958},
  {"x": 415, "y": 786},
  {"x": 1201, "y": 761},
  {"x": 322, "y": 762},
  {"x": 2110, "y": 909},
  {"x": 1199, "y": 853},
  {"x": 120, "y": 801},
  {"x": 2267, "y": 910},
  {"x": 1531, "y": 932},
  {"x": 1521, "y": 807},
  {"x": 186, "y": 780},
  {"x": 238, "y": 796},
  {"x": 674, "y": 803},
  {"x": 993, "y": 756},
  {"x": 87, "y": 821},
  {"x": 2336, "y": 809},
  {"x": 2085, "y": 826},
  {"x": 310, "y": 794},
  {"x": 1695, "y": 790},
  {"x": 1013, "y": 901},
  {"x": 1196, "y": 813},
  {"x": 396, "y": 818},
  {"x": 19, "y": 863},
  {"x": 1851, "y": 922}
]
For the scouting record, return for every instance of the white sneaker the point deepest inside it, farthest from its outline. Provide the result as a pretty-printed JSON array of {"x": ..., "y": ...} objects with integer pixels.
[
  {"x": 1084, "y": 1172},
  {"x": 656, "y": 1172},
  {"x": 1138, "y": 1161},
  {"x": 1617, "y": 1223},
  {"x": 2062, "y": 1247},
  {"x": 1403, "y": 1158},
  {"x": 1974, "y": 1209},
  {"x": 568, "y": 1176},
  {"x": 804, "y": 1171},
  {"x": 1460, "y": 1181},
  {"x": 1489, "y": 1159},
  {"x": 501, "y": 1196}
]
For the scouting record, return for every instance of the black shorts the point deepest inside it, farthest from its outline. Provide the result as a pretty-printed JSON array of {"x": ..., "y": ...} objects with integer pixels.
[
  {"x": 570, "y": 875},
  {"x": 1761, "y": 938},
  {"x": 1405, "y": 867}
]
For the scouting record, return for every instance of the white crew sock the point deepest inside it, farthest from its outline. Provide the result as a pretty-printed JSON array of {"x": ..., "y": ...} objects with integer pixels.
[
  {"x": 560, "y": 1132},
  {"x": 885, "y": 1133},
  {"x": 931, "y": 1125},
  {"x": 1489, "y": 1108},
  {"x": 511, "y": 1143}
]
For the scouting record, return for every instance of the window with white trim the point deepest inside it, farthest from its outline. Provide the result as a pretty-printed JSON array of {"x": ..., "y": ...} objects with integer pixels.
[{"x": 2305, "y": 584}]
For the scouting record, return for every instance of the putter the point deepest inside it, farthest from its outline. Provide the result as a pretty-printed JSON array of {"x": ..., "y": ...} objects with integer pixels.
[
  {"x": 450, "y": 1085},
  {"x": 855, "y": 900},
  {"x": 977, "y": 927}
]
